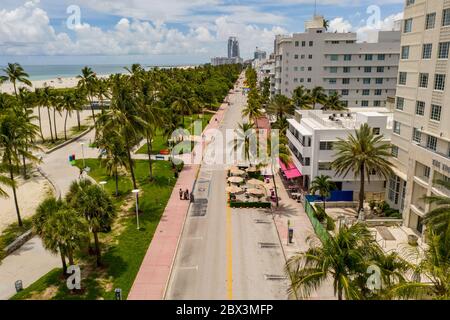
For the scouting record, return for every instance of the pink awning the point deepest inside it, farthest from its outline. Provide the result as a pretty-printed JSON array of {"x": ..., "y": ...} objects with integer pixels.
[
  {"x": 284, "y": 167},
  {"x": 292, "y": 174}
]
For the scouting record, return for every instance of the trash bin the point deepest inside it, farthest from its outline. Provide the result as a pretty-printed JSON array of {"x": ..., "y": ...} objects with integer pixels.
[{"x": 291, "y": 234}]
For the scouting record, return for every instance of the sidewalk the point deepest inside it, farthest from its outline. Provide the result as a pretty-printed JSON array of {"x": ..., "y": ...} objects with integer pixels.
[
  {"x": 154, "y": 273},
  {"x": 290, "y": 210}
]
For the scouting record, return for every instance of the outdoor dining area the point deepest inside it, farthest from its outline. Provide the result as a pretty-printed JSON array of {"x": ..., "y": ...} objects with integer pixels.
[{"x": 247, "y": 185}]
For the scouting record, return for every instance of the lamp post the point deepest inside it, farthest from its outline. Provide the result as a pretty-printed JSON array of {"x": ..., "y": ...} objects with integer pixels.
[
  {"x": 136, "y": 192},
  {"x": 82, "y": 153}
]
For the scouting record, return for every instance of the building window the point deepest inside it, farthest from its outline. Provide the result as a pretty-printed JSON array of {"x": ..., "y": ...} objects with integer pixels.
[
  {"x": 420, "y": 108},
  {"x": 402, "y": 78},
  {"x": 381, "y": 57},
  {"x": 430, "y": 21},
  {"x": 296, "y": 56},
  {"x": 366, "y": 81},
  {"x": 407, "y": 26},
  {"x": 295, "y": 68},
  {"x": 302, "y": 56},
  {"x": 366, "y": 92},
  {"x": 410, "y": 2},
  {"x": 311, "y": 43},
  {"x": 346, "y": 69},
  {"x": 364, "y": 103},
  {"x": 446, "y": 17},
  {"x": 334, "y": 57},
  {"x": 377, "y": 103},
  {"x": 396, "y": 127},
  {"x": 431, "y": 143},
  {"x": 405, "y": 52},
  {"x": 379, "y": 80},
  {"x": 344, "y": 92},
  {"x": 369, "y": 57},
  {"x": 326, "y": 145},
  {"x": 426, "y": 171},
  {"x": 380, "y": 69},
  {"x": 367, "y": 69},
  {"x": 435, "y": 112},
  {"x": 297, "y": 43},
  {"x": 324, "y": 166},
  {"x": 309, "y": 68},
  {"x": 378, "y": 92},
  {"x": 443, "y": 50},
  {"x": 345, "y": 81},
  {"x": 439, "y": 82},
  {"x": 423, "y": 80},
  {"x": 309, "y": 80},
  {"x": 310, "y": 56},
  {"x": 400, "y": 103},
  {"x": 347, "y": 57},
  {"x": 417, "y": 135},
  {"x": 333, "y": 70},
  {"x": 394, "y": 151},
  {"x": 427, "y": 50},
  {"x": 376, "y": 131},
  {"x": 332, "y": 81}
]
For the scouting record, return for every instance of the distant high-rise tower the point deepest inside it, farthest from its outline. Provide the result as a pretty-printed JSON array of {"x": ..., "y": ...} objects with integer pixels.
[{"x": 233, "y": 48}]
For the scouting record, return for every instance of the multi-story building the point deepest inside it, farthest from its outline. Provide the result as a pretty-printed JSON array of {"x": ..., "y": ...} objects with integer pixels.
[
  {"x": 233, "y": 48},
  {"x": 260, "y": 54},
  {"x": 218, "y": 61},
  {"x": 421, "y": 129},
  {"x": 311, "y": 136},
  {"x": 363, "y": 73}
]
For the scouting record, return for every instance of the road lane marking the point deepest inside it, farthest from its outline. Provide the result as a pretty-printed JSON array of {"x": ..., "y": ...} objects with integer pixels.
[{"x": 229, "y": 250}]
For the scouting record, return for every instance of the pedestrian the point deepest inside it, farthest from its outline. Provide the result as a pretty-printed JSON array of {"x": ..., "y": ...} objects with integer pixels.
[
  {"x": 187, "y": 194},
  {"x": 181, "y": 194}
]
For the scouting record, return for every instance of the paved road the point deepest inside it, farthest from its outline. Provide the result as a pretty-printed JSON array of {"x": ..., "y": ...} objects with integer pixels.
[{"x": 220, "y": 256}]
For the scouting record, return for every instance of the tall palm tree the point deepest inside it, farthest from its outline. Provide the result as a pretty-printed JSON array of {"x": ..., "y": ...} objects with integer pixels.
[
  {"x": 67, "y": 103},
  {"x": 324, "y": 186},
  {"x": 302, "y": 98},
  {"x": 11, "y": 141},
  {"x": 47, "y": 100},
  {"x": 317, "y": 95},
  {"x": 280, "y": 106},
  {"x": 252, "y": 111},
  {"x": 15, "y": 73},
  {"x": 87, "y": 84},
  {"x": 97, "y": 207},
  {"x": 333, "y": 102},
  {"x": 326, "y": 24},
  {"x": 363, "y": 154},
  {"x": 341, "y": 258},
  {"x": 37, "y": 103},
  {"x": 182, "y": 105},
  {"x": 438, "y": 219},
  {"x": 245, "y": 135}
]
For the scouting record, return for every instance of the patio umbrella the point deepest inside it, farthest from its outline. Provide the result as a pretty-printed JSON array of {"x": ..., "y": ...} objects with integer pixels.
[
  {"x": 235, "y": 180},
  {"x": 234, "y": 189},
  {"x": 255, "y": 182},
  {"x": 237, "y": 172},
  {"x": 256, "y": 192},
  {"x": 252, "y": 169}
]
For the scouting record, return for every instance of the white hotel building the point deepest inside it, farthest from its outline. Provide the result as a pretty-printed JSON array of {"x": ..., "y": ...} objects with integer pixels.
[
  {"x": 311, "y": 135},
  {"x": 363, "y": 73},
  {"x": 421, "y": 135}
]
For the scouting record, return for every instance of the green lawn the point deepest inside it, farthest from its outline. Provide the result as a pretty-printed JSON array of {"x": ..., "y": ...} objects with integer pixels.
[
  {"x": 160, "y": 142},
  {"x": 125, "y": 247},
  {"x": 11, "y": 233}
]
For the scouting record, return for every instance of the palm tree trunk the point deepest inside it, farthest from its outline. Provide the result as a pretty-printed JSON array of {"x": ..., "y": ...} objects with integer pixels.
[
  {"x": 50, "y": 124},
  {"x": 54, "y": 124},
  {"x": 361, "y": 189},
  {"x": 24, "y": 165},
  {"x": 130, "y": 163},
  {"x": 116, "y": 176},
  {"x": 78, "y": 120},
  {"x": 92, "y": 109},
  {"x": 11, "y": 175},
  {"x": 340, "y": 294},
  {"x": 149, "y": 152},
  {"x": 63, "y": 261},
  {"x": 70, "y": 256},
  {"x": 97, "y": 249},
  {"x": 40, "y": 124},
  {"x": 65, "y": 125},
  {"x": 15, "y": 88}
]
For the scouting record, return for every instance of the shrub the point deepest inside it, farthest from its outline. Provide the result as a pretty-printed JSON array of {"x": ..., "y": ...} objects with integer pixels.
[
  {"x": 331, "y": 225},
  {"x": 321, "y": 215}
]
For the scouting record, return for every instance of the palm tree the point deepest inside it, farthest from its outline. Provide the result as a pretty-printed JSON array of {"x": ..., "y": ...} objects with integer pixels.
[
  {"x": 47, "y": 100},
  {"x": 280, "y": 106},
  {"x": 252, "y": 110},
  {"x": 343, "y": 257},
  {"x": 15, "y": 73},
  {"x": 87, "y": 83},
  {"x": 324, "y": 186},
  {"x": 326, "y": 24},
  {"x": 302, "y": 98},
  {"x": 113, "y": 157},
  {"x": 246, "y": 134},
  {"x": 363, "y": 154},
  {"x": 317, "y": 96},
  {"x": 182, "y": 105},
  {"x": 69, "y": 104},
  {"x": 11, "y": 141},
  {"x": 333, "y": 102},
  {"x": 96, "y": 206},
  {"x": 37, "y": 103},
  {"x": 438, "y": 219}
]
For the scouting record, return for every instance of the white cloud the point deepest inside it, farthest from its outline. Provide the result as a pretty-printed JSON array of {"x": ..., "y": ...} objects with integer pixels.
[{"x": 340, "y": 25}]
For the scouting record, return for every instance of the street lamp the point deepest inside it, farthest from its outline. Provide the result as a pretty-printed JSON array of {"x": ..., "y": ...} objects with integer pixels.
[
  {"x": 82, "y": 152},
  {"x": 136, "y": 192},
  {"x": 102, "y": 183}
]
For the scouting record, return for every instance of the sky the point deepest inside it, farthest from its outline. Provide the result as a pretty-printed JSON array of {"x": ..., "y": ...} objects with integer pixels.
[{"x": 168, "y": 31}]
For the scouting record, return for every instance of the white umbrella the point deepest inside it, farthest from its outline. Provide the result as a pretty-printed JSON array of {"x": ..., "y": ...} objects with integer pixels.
[
  {"x": 234, "y": 189},
  {"x": 235, "y": 179},
  {"x": 255, "y": 182},
  {"x": 256, "y": 192},
  {"x": 252, "y": 169},
  {"x": 237, "y": 172}
]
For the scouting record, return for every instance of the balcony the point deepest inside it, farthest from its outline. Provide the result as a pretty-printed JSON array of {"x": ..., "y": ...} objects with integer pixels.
[{"x": 424, "y": 147}]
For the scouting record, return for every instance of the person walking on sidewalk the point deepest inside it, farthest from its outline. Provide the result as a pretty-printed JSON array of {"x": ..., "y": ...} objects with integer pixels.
[{"x": 181, "y": 194}]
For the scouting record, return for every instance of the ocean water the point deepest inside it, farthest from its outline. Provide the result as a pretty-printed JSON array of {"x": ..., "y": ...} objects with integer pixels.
[{"x": 45, "y": 72}]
